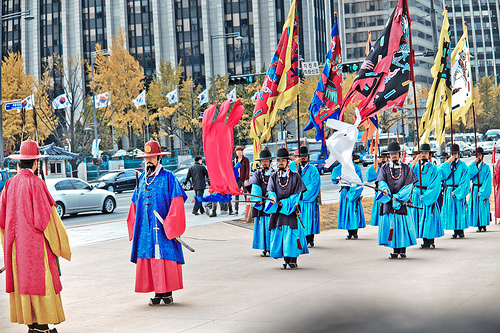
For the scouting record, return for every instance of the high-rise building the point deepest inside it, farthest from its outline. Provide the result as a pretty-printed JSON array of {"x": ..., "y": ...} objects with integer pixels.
[{"x": 482, "y": 17}]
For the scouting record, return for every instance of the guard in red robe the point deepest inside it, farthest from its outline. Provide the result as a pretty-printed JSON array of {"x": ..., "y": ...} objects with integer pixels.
[
  {"x": 496, "y": 185},
  {"x": 32, "y": 236},
  {"x": 155, "y": 250}
]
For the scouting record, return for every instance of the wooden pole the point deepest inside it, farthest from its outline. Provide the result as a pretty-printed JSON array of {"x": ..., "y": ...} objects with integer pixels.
[{"x": 412, "y": 77}]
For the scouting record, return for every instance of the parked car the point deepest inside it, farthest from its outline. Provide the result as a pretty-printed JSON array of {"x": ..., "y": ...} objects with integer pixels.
[
  {"x": 487, "y": 146},
  {"x": 73, "y": 196},
  {"x": 4, "y": 175},
  {"x": 188, "y": 163},
  {"x": 366, "y": 159},
  {"x": 318, "y": 160},
  {"x": 116, "y": 181},
  {"x": 181, "y": 174},
  {"x": 464, "y": 148}
]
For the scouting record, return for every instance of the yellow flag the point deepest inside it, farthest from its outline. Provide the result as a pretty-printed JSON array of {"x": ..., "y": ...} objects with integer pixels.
[{"x": 439, "y": 99}]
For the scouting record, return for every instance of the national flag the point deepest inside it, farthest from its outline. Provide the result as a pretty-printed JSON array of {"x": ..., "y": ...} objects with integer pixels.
[
  {"x": 203, "y": 97},
  {"x": 232, "y": 95},
  {"x": 102, "y": 100},
  {"x": 281, "y": 85},
  {"x": 173, "y": 96},
  {"x": 60, "y": 102},
  {"x": 439, "y": 99},
  {"x": 328, "y": 94},
  {"x": 28, "y": 102},
  {"x": 140, "y": 99},
  {"x": 384, "y": 77}
]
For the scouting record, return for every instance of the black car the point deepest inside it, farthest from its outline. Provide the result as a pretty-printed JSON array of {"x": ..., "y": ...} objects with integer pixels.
[{"x": 116, "y": 181}]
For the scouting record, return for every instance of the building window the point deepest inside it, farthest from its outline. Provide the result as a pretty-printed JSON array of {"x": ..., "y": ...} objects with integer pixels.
[
  {"x": 94, "y": 26},
  {"x": 11, "y": 29},
  {"x": 140, "y": 35},
  {"x": 55, "y": 168}
]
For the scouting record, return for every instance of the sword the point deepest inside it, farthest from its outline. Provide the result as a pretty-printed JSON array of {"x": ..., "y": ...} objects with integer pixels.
[
  {"x": 2, "y": 270},
  {"x": 183, "y": 243}
]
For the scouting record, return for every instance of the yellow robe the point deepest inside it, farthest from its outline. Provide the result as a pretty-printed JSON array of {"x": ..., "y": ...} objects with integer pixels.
[{"x": 29, "y": 309}]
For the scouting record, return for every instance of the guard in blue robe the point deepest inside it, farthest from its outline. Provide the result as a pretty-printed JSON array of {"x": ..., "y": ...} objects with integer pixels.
[
  {"x": 396, "y": 178},
  {"x": 456, "y": 176},
  {"x": 155, "y": 250},
  {"x": 308, "y": 203},
  {"x": 444, "y": 157},
  {"x": 284, "y": 190},
  {"x": 258, "y": 186},
  {"x": 427, "y": 221},
  {"x": 350, "y": 214},
  {"x": 479, "y": 199},
  {"x": 371, "y": 176}
]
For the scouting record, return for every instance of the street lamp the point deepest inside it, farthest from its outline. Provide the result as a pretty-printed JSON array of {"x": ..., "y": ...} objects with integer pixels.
[
  {"x": 236, "y": 36},
  {"x": 93, "y": 54},
  {"x": 27, "y": 16}
]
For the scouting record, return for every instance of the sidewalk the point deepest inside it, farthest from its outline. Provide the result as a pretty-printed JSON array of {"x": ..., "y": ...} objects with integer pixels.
[{"x": 342, "y": 286}]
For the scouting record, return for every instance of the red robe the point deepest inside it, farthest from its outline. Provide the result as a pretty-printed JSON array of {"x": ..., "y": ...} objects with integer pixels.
[
  {"x": 496, "y": 186},
  {"x": 25, "y": 209}
]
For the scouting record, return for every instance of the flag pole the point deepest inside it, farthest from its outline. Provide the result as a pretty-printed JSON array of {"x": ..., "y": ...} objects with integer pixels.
[
  {"x": 298, "y": 91},
  {"x": 412, "y": 77}
]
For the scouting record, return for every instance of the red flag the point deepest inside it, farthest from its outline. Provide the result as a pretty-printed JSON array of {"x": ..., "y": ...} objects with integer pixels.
[
  {"x": 218, "y": 141},
  {"x": 384, "y": 77}
]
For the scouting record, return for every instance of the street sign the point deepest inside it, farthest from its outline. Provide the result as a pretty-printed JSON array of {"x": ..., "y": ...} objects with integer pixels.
[
  {"x": 310, "y": 68},
  {"x": 13, "y": 106}
]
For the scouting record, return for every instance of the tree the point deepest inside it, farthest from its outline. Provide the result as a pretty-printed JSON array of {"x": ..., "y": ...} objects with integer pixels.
[
  {"x": 123, "y": 77},
  {"x": 189, "y": 113},
  {"x": 165, "y": 80},
  {"x": 245, "y": 93},
  {"x": 487, "y": 104},
  {"x": 17, "y": 85}
]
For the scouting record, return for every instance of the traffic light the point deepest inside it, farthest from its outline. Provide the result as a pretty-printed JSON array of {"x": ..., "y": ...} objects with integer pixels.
[
  {"x": 244, "y": 78},
  {"x": 350, "y": 67}
]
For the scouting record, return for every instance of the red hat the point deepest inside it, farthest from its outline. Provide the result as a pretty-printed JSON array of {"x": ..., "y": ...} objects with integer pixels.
[
  {"x": 152, "y": 148},
  {"x": 29, "y": 151}
]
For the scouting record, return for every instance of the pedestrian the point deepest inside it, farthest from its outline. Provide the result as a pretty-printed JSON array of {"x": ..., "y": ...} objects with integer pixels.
[
  {"x": 396, "y": 179},
  {"x": 371, "y": 176},
  {"x": 258, "y": 186},
  {"x": 456, "y": 176},
  {"x": 478, "y": 206},
  {"x": 33, "y": 238},
  {"x": 351, "y": 216},
  {"x": 243, "y": 175},
  {"x": 284, "y": 189},
  {"x": 427, "y": 220},
  {"x": 155, "y": 251},
  {"x": 199, "y": 175},
  {"x": 309, "y": 205}
]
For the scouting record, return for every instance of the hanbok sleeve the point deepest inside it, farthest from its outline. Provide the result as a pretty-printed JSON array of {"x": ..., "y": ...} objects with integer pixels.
[
  {"x": 312, "y": 183},
  {"x": 431, "y": 194},
  {"x": 371, "y": 174},
  {"x": 175, "y": 222},
  {"x": 485, "y": 189},
  {"x": 256, "y": 190},
  {"x": 383, "y": 186},
  {"x": 463, "y": 182},
  {"x": 3, "y": 206},
  {"x": 445, "y": 170},
  {"x": 56, "y": 236},
  {"x": 473, "y": 170},
  {"x": 131, "y": 215},
  {"x": 270, "y": 207},
  {"x": 336, "y": 172},
  {"x": 403, "y": 194},
  {"x": 289, "y": 205}
]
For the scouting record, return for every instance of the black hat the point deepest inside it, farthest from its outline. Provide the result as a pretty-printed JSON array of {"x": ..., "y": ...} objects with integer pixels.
[
  {"x": 444, "y": 155},
  {"x": 265, "y": 154},
  {"x": 383, "y": 153},
  {"x": 393, "y": 148},
  {"x": 480, "y": 150},
  {"x": 455, "y": 148},
  {"x": 425, "y": 147},
  {"x": 283, "y": 153},
  {"x": 355, "y": 156},
  {"x": 304, "y": 151}
]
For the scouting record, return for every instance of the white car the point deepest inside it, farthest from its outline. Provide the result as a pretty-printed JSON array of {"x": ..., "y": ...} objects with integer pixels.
[
  {"x": 73, "y": 196},
  {"x": 487, "y": 146}
]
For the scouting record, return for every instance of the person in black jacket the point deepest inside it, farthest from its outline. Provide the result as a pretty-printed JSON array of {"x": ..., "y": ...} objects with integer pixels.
[{"x": 198, "y": 173}]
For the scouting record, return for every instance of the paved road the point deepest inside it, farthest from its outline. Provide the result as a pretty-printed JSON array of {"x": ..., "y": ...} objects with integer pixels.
[{"x": 329, "y": 193}]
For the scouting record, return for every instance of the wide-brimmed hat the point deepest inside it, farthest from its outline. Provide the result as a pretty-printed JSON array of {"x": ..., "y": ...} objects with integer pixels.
[
  {"x": 152, "y": 148},
  {"x": 29, "y": 151},
  {"x": 304, "y": 151},
  {"x": 425, "y": 147},
  {"x": 383, "y": 153},
  {"x": 444, "y": 155},
  {"x": 393, "y": 147},
  {"x": 283, "y": 153},
  {"x": 265, "y": 154},
  {"x": 480, "y": 150},
  {"x": 455, "y": 148}
]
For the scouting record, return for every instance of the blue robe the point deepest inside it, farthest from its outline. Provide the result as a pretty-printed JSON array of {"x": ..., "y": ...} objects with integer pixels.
[
  {"x": 454, "y": 211},
  {"x": 309, "y": 201},
  {"x": 351, "y": 215},
  {"x": 156, "y": 196},
  {"x": 284, "y": 225},
  {"x": 479, "y": 204},
  {"x": 394, "y": 215},
  {"x": 427, "y": 221},
  {"x": 261, "y": 233},
  {"x": 371, "y": 176}
]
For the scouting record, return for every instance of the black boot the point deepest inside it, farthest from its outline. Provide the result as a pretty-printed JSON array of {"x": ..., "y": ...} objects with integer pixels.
[
  {"x": 431, "y": 243},
  {"x": 310, "y": 240},
  {"x": 349, "y": 235},
  {"x": 395, "y": 253},
  {"x": 402, "y": 253},
  {"x": 287, "y": 262},
  {"x": 293, "y": 263},
  {"x": 167, "y": 299},
  {"x": 426, "y": 244},
  {"x": 355, "y": 233},
  {"x": 461, "y": 234}
]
